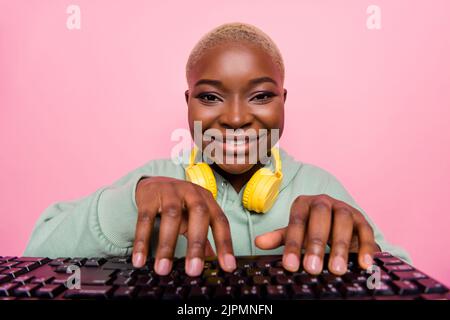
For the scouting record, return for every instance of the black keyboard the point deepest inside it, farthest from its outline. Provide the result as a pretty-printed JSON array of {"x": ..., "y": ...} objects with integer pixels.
[{"x": 256, "y": 277}]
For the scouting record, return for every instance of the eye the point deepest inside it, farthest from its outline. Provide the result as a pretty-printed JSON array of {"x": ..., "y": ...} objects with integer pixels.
[
  {"x": 208, "y": 97},
  {"x": 263, "y": 97}
]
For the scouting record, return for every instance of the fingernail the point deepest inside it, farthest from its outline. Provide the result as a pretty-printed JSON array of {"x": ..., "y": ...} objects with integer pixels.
[
  {"x": 368, "y": 261},
  {"x": 338, "y": 265},
  {"x": 292, "y": 262},
  {"x": 230, "y": 262},
  {"x": 138, "y": 260},
  {"x": 313, "y": 263},
  {"x": 163, "y": 266},
  {"x": 194, "y": 267}
]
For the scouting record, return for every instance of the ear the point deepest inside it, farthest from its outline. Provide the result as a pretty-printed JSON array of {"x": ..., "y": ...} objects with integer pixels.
[
  {"x": 186, "y": 96},
  {"x": 285, "y": 95}
]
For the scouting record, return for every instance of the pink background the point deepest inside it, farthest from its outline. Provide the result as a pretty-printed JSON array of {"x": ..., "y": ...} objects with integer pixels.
[{"x": 79, "y": 109}]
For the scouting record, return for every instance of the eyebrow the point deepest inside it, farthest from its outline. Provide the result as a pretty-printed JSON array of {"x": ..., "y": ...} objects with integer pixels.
[{"x": 252, "y": 82}]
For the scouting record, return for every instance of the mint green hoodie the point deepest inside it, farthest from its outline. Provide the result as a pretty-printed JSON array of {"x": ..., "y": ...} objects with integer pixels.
[{"x": 103, "y": 223}]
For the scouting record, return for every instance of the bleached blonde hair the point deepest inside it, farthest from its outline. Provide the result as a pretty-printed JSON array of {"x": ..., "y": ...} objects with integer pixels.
[{"x": 235, "y": 32}]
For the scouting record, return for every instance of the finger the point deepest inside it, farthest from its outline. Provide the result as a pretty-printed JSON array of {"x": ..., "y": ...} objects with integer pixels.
[
  {"x": 342, "y": 231},
  {"x": 319, "y": 226},
  {"x": 144, "y": 227},
  {"x": 295, "y": 233},
  {"x": 222, "y": 237},
  {"x": 198, "y": 223},
  {"x": 171, "y": 216},
  {"x": 367, "y": 246},
  {"x": 271, "y": 240}
]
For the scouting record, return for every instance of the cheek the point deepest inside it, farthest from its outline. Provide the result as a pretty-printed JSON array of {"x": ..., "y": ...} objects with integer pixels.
[
  {"x": 206, "y": 116},
  {"x": 272, "y": 118}
]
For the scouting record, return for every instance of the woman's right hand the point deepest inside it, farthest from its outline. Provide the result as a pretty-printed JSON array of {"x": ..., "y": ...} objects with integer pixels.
[{"x": 187, "y": 209}]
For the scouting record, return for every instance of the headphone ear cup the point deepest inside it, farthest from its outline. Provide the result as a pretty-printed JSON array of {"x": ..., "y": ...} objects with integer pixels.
[
  {"x": 202, "y": 175},
  {"x": 261, "y": 191}
]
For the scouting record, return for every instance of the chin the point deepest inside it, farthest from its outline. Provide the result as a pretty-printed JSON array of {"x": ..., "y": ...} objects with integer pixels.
[{"x": 235, "y": 168}]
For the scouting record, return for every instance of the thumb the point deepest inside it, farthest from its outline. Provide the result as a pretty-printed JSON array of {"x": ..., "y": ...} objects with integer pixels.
[{"x": 271, "y": 240}]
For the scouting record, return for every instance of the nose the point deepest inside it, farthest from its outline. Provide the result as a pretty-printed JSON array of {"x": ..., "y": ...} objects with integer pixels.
[{"x": 237, "y": 115}]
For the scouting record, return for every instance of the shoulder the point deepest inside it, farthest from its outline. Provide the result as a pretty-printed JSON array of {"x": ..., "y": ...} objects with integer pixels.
[{"x": 305, "y": 176}]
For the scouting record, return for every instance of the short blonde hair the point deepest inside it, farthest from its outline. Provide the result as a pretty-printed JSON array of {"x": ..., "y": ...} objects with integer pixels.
[{"x": 237, "y": 32}]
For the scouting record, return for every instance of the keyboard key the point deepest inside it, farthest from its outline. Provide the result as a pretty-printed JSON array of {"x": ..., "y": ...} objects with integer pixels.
[
  {"x": 276, "y": 292},
  {"x": 9, "y": 265},
  {"x": 94, "y": 262},
  {"x": 7, "y": 289},
  {"x": 63, "y": 268},
  {"x": 435, "y": 296},
  {"x": 211, "y": 273},
  {"x": 237, "y": 281},
  {"x": 125, "y": 292},
  {"x": 175, "y": 293},
  {"x": 273, "y": 272},
  {"x": 305, "y": 278},
  {"x": 124, "y": 281},
  {"x": 57, "y": 262},
  {"x": 26, "y": 290},
  {"x": 89, "y": 292},
  {"x": 431, "y": 286},
  {"x": 328, "y": 291},
  {"x": 225, "y": 293},
  {"x": 23, "y": 279},
  {"x": 167, "y": 281},
  {"x": 77, "y": 261},
  {"x": 214, "y": 281},
  {"x": 250, "y": 292},
  {"x": 28, "y": 265},
  {"x": 118, "y": 266},
  {"x": 383, "y": 290},
  {"x": 245, "y": 264},
  {"x": 328, "y": 278},
  {"x": 124, "y": 260},
  {"x": 199, "y": 293},
  {"x": 42, "y": 280},
  {"x": 251, "y": 272},
  {"x": 151, "y": 293},
  {"x": 4, "y": 278},
  {"x": 351, "y": 277},
  {"x": 302, "y": 291},
  {"x": 192, "y": 281},
  {"x": 352, "y": 290},
  {"x": 261, "y": 280},
  {"x": 14, "y": 272},
  {"x": 91, "y": 276},
  {"x": 408, "y": 275},
  {"x": 385, "y": 261},
  {"x": 398, "y": 267},
  {"x": 143, "y": 281},
  {"x": 284, "y": 280},
  {"x": 50, "y": 291},
  {"x": 38, "y": 260},
  {"x": 405, "y": 287}
]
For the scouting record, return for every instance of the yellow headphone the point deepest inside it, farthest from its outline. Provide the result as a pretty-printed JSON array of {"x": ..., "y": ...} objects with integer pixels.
[{"x": 261, "y": 191}]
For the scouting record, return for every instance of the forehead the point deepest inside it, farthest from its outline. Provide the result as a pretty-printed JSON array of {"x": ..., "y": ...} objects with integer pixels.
[{"x": 234, "y": 64}]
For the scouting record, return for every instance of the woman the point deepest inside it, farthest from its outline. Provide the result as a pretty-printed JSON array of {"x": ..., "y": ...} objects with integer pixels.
[{"x": 235, "y": 76}]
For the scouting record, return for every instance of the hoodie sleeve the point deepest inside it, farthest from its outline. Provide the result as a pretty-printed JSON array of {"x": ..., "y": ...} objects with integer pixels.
[
  {"x": 101, "y": 224},
  {"x": 336, "y": 190}
]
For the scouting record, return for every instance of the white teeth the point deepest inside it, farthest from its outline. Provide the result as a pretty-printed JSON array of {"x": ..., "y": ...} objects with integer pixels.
[{"x": 236, "y": 143}]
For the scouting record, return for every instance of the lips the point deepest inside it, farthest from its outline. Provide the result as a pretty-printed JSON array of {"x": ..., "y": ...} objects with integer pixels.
[{"x": 236, "y": 144}]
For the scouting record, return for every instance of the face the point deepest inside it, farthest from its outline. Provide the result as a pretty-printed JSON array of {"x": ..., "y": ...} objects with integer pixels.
[{"x": 236, "y": 88}]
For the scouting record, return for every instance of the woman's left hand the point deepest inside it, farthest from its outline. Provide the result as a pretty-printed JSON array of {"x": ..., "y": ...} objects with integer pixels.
[{"x": 316, "y": 221}]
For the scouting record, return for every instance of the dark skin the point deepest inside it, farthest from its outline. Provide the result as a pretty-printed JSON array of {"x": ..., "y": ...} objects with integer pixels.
[{"x": 246, "y": 93}]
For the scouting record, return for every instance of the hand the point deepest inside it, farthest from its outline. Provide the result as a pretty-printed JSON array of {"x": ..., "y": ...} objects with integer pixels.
[
  {"x": 185, "y": 208},
  {"x": 315, "y": 221}
]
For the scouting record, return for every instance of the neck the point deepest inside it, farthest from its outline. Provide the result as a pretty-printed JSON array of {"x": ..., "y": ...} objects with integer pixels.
[{"x": 237, "y": 180}]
